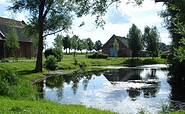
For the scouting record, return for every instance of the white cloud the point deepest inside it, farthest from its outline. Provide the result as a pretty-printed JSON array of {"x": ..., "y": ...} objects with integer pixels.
[{"x": 165, "y": 38}]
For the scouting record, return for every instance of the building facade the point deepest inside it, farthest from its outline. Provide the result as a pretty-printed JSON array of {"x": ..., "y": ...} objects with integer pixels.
[
  {"x": 25, "y": 43},
  {"x": 124, "y": 51}
]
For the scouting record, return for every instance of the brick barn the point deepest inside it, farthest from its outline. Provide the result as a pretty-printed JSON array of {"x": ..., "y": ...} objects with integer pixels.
[
  {"x": 26, "y": 46},
  {"x": 124, "y": 50}
]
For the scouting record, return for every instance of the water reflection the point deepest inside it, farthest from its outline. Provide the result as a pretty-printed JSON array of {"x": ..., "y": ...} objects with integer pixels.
[{"x": 122, "y": 90}]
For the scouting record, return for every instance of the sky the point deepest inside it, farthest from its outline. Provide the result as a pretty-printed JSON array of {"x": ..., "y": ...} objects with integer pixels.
[{"x": 118, "y": 21}]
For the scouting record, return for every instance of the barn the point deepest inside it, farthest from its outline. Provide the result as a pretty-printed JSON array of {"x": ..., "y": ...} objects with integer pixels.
[
  {"x": 26, "y": 46},
  {"x": 124, "y": 51}
]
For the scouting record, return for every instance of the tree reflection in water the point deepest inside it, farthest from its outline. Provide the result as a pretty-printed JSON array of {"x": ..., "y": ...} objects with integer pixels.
[
  {"x": 113, "y": 76},
  {"x": 57, "y": 81},
  {"x": 117, "y": 88},
  {"x": 133, "y": 76}
]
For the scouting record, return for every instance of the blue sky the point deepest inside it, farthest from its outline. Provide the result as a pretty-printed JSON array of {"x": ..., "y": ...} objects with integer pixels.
[{"x": 118, "y": 21}]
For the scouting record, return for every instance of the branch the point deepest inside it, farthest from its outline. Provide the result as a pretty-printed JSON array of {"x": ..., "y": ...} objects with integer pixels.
[
  {"x": 48, "y": 8},
  {"x": 53, "y": 32}
]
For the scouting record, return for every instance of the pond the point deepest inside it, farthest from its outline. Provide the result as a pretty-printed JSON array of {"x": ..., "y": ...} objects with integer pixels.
[{"x": 119, "y": 89}]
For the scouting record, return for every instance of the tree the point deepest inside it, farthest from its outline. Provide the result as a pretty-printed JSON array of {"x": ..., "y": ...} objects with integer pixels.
[
  {"x": 116, "y": 45},
  {"x": 174, "y": 18},
  {"x": 12, "y": 43},
  {"x": 74, "y": 42},
  {"x": 134, "y": 40},
  {"x": 84, "y": 44},
  {"x": 67, "y": 43},
  {"x": 98, "y": 45},
  {"x": 151, "y": 40},
  {"x": 52, "y": 16},
  {"x": 80, "y": 45},
  {"x": 58, "y": 42},
  {"x": 90, "y": 44}
]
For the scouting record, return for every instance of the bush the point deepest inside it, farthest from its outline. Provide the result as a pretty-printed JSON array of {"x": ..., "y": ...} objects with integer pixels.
[
  {"x": 12, "y": 86},
  {"x": 149, "y": 61},
  {"x": 164, "y": 56},
  {"x": 133, "y": 62},
  {"x": 51, "y": 63},
  {"x": 98, "y": 56},
  {"x": 56, "y": 52}
]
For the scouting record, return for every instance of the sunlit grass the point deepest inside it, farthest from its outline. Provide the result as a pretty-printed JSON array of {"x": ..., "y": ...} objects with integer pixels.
[{"x": 9, "y": 106}]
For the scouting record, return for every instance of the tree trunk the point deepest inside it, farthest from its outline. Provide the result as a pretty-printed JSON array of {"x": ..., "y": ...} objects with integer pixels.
[{"x": 38, "y": 67}]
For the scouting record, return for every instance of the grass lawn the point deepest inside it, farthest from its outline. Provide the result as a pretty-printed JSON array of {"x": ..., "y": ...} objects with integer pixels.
[
  {"x": 9, "y": 106},
  {"x": 68, "y": 61}
]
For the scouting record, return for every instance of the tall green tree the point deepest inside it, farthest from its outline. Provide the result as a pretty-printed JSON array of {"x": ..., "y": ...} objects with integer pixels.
[
  {"x": 174, "y": 18},
  {"x": 151, "y": 40},
  {"x": 134, "y": 40},
  {"x": 98, "y": 45},
  {"x": 48, "y": 17},
  {"x": 90, "y": 44},
  {"x": 80, "y": 45},
  {"x": 74, "y": 42},
  {"x": 116, "y": 45},
  {"x": 12, "y": 42},
  {"x": 58, "y": 42},
  {"x": 66, "y": 43}
]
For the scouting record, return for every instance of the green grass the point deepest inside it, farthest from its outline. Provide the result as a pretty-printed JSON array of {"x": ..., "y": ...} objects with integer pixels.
[
  {"x": 9, "y": 106},
  {"x": 68, "y": 61},
  {"x": 24, "y": 69}
]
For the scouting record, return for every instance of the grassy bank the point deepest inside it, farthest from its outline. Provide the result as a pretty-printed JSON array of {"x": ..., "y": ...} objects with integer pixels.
[
  {"x": 25, "y": 68},
  {"x": 9, "y": 106},
  {"x": 68, "y": 61}
]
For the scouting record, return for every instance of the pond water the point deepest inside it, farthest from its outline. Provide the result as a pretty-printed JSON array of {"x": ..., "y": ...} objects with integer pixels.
[{"x": 119, "y": 89}]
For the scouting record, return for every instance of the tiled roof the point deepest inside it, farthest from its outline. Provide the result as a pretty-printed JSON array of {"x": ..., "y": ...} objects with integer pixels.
[{"x": 4, "y": 23}]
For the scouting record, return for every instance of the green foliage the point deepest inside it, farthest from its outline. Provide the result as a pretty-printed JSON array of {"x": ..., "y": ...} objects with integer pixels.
[
  {"x": 134, "y": 40},
  {"x": 98, "y": 45},
  {"x": 58, "y": 43},
  {"x": 151, "y": 40},
  {"x": 12, "y": 43},
  {"x": 66, "y": 43},
  {"x": 12, "y": 86},
  {"x": 116, "y": 45},
  {"x": 133, "y": 62},
  {"x": 180, "y": 51},
  {"x": 51, "y": 62},
  {"x": 74, "y": 42},
  {"x": 90, "y": 44},
  {"x": 56, "y": 52},
  {"x": 144, "y": 61},
  {"x": 98, "y": 56}
]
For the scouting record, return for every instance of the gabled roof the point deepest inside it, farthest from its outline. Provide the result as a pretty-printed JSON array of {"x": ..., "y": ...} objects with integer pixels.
[
  {"x": 122, "y": 40},
  {"x": 4, "y": 23}
]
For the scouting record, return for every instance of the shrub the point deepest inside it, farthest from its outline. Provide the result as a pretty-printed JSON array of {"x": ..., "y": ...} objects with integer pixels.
[
  {"x": 164, "y": 56},
  {"x": 56, "y": 52},
  {"x": 149, "y": 61},
  {"x": 133, "y": 62},
  {"x": 51, "y": 62},
  {"x": 98, "y": 56},
  {"x": 12, "y": 86}
]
